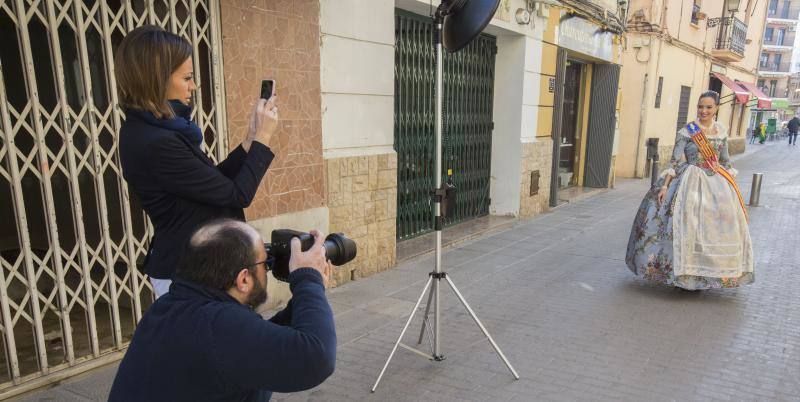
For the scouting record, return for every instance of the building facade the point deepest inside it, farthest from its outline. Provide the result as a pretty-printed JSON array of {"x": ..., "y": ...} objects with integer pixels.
[
  {"x": 581, "y": 62},
  {"x": 673, "y": 53},
  {"x": 777, "y": 55}
]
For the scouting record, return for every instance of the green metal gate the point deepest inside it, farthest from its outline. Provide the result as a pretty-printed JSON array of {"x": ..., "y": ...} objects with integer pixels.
[{"x": 467, "y": 147}]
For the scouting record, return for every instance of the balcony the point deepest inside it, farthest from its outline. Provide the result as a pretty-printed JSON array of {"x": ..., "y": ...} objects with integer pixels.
[
  {"x": 779, "y": 44},
  {"x": 784, "y": 14},
  {"x": 730, "y": 39},
  {"x": 777, "y": 92},
  {"x": 771, "y": 68}
]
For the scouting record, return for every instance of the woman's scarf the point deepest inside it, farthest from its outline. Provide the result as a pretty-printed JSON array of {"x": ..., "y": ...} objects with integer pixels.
[{"x": 182, "y": 122}]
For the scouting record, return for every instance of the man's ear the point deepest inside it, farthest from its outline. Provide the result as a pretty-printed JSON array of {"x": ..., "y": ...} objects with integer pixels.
[{"x": 243, "y": 280}]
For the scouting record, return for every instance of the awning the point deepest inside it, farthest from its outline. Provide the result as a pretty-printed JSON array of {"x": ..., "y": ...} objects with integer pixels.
[
  {"x": 741, "y": 94},
  {"x": 763, "y": 100}
]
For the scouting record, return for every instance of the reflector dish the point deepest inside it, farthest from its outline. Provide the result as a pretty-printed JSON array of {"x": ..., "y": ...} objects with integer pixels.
[{"x": 465, "y": 20}]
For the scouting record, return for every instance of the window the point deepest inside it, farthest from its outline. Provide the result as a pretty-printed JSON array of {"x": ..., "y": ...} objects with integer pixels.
[
  {"x": 658, "y": 91},
  {"x": 781, "y": 36},
  {"x": 695, "y": 11},
  {"x": 764, "y": 59},
  {"x": 683, "y": 107},
  {"x": 785, "y": 10},
  {"x": 776, "y": 61},
  {"x": 773, "y": 7},
  {"x": 773, "y": 84},
  {"x": 768, "y": 34}
]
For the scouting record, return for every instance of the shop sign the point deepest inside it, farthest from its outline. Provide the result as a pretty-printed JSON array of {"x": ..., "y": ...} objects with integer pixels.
[
  {"x": 582, "y": 36},
  {"x": 716, "y": 68}
]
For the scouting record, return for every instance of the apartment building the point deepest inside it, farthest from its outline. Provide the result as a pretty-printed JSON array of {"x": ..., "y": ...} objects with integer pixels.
[{"x": 777, "y": 54}]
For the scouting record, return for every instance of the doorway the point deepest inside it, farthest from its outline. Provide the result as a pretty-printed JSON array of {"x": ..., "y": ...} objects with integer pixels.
[{"x": 567, "y": 149}]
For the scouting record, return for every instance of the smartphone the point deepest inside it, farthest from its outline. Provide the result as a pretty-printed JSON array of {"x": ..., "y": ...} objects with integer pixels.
[{"x": 267, "y": 89}]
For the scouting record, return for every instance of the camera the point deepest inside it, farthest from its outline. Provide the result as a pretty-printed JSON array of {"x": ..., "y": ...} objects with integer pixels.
[{"x": 338, "y": 249}]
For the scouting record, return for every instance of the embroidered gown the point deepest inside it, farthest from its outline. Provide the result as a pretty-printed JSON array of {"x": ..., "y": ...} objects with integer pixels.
[{"x": 698, "y": 238}]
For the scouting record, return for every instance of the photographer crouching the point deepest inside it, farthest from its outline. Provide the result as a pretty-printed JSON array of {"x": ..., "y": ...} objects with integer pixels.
[{"x": 203, "y": 341}]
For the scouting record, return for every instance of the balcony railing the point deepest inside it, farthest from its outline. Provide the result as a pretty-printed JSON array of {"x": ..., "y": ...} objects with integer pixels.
[
  {"x": 782, "y": 67},
  {"x": 775, "y": 92},
  {"x": 788, "y": 40},
  {"x": 784, "y": 11},
  {"x": 731, "y": 36}
]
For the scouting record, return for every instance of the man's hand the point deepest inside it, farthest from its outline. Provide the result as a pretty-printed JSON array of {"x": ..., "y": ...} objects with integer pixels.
[{"x": 313, "y": 258}]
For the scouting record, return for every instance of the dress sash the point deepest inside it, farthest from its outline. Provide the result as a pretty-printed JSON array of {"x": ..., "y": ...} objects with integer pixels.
[{"x": 712, "y": 160}]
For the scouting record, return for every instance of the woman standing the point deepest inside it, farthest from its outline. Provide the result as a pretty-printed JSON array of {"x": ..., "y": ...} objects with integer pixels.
[
  {"x": 179, "y": 187},
  {"x": 691, "y": 229}
]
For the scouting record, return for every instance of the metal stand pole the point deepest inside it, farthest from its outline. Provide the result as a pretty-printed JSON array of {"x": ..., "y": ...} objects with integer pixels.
[
  {"x": 755, "y": 190},
  {"x": 437, "y": 275}
]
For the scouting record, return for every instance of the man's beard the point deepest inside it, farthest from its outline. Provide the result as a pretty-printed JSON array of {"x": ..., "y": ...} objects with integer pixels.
[{"x": 258, "y": 295}]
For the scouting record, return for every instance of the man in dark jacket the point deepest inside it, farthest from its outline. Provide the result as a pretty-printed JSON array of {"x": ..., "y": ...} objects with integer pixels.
[
  {"x": 202, "y": 341},
  {"x": 793, "y": 126}
]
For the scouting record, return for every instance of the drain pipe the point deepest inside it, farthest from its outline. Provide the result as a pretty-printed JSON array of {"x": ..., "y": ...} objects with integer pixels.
[{"x": 642, "y": 118}]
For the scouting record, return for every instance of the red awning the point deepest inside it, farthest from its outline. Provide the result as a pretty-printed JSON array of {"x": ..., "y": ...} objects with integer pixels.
[
  {"x": 764, "y": 102},
  {"x": 741, "y": 94}
]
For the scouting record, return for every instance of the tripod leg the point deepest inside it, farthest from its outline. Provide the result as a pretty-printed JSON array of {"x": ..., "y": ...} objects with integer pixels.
[
  {"x": 425, "y": 317},
  {"x": 485, "y": 332},
  {"x": 403, "y": 332}
]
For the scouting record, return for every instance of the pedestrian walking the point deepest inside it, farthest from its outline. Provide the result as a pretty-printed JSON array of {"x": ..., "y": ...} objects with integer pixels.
[
  {"x": 794, "y": 125},
  {"x": 691, "y": 229},
  {"x": 762, "y": 133}
]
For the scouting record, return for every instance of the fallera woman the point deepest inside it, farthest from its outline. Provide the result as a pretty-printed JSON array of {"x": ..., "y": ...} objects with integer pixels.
[{"x": 691, "y": 229}]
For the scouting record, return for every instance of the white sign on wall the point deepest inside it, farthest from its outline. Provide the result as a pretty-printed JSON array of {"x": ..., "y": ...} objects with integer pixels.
[{"x": 582, "y": 36}]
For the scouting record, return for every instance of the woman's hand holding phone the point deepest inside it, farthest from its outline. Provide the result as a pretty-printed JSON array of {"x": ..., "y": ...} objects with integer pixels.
[
  {"x": 263, "y": 120},
  {"x": 266, "y": 120}
]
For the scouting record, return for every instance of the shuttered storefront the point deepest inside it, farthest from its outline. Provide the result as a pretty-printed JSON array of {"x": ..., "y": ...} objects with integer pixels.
[
  {"x": 602, "y": 124},
  {"x": 71, "y": 234},
  {"x": 467, "y": 146}
]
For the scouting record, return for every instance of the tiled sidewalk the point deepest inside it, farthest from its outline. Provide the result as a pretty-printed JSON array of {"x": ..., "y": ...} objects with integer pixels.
[{"x": 556, "y": 295}]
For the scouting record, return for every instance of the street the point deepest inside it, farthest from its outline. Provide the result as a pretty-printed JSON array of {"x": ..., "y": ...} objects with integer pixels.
[{"x": 556, "y": 295}]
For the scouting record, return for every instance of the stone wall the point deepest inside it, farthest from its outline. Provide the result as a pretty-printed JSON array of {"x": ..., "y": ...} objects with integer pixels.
[
  {"x": 277, "y": 39},
  {"x": 536, "y": 156},
  {"x": 362, "y": 200}
]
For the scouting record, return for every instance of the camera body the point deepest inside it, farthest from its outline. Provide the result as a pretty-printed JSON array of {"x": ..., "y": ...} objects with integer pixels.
[{"x": 339, "y": 250}]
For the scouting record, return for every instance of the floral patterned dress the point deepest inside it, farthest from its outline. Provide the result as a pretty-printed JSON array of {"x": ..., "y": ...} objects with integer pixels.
[{"x": 698, "y": 238}]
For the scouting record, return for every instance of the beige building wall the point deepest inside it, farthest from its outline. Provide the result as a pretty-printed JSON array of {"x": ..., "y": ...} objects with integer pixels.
[
  {"x": 682, "y": 55},
  {"x": 357, "y": 85}
]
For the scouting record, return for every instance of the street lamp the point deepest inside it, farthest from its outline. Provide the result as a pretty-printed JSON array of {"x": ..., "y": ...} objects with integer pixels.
[{"x": 733, "y": 5}]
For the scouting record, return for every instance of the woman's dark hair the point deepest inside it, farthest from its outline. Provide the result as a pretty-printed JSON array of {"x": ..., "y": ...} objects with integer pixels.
[
  {"x": 143, "y": 64},
  {"x": 710, "y": 94},
  {"x": 216, "y": 253}
]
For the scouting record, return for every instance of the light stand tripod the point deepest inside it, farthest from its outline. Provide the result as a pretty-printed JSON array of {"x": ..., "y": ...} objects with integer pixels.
[{"x": 438, "y": 275}]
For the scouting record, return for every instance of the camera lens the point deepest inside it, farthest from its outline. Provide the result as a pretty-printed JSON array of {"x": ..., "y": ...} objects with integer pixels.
[{"x": 339, "y": 249}]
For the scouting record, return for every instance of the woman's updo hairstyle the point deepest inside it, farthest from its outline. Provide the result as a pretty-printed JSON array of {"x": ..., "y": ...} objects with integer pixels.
[
  {"x": 143, "y": 64},
  {"x": 710, "y": 94}
]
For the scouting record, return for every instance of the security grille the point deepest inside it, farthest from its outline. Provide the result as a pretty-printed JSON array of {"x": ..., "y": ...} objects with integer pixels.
[
  {"x": 71, "y": 233},
  {"x": 683, "y": 106},
  {"x": 467, "y": 147}
]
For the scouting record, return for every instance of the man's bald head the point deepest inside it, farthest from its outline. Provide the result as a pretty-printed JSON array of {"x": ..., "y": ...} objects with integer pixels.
[
  {"x": 217, "y": 251},
  {"x": 212, "y": 230}
]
